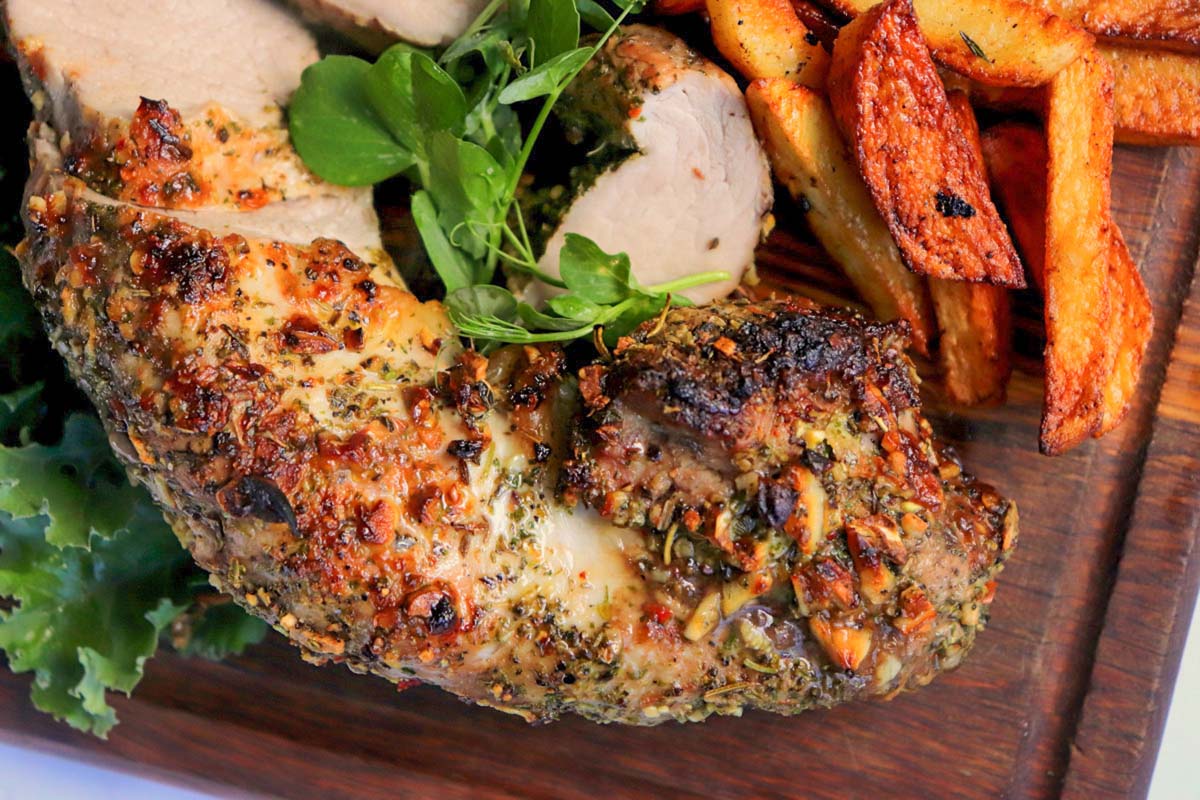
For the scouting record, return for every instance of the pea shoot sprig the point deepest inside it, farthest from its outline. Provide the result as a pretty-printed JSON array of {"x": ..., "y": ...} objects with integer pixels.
[{"x": 448, "y": 123}]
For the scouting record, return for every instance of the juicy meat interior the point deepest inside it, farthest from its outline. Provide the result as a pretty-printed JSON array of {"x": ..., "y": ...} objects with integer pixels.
[
  {"x": 684, "y": 185},
  {"x": 743, "y": 507}
]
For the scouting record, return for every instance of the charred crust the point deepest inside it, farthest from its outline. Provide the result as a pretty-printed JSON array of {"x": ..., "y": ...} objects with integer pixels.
[{"x": 257, "y": 498}]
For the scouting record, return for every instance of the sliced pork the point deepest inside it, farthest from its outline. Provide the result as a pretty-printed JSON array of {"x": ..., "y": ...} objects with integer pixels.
[
  {"x": 171, "y": 103},
  {"x": 377, "y": 23},
  {"x": 686, "y": 186}
]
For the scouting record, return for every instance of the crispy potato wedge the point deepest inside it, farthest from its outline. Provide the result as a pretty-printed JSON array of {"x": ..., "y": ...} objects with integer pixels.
[
  {"x": 1016, "y": 158},
  {"x": 1079, "y": 345},
  {"x": 1157, "y": 96},
  {"x": 997, "y": 42},
  {"x": 1017, "y": 162},
  {"x": 765, "y": 39},
  {"x": 997, "y": 98},
  {"x": 810, "y": 159},
  {"x": 927, "y": 181},
  {"x": 1157, "y": 24},
  {"x": 1133, "y": 326},
  {"x": 1160, "y": 24},
  {"x": 975, "y": 349}
]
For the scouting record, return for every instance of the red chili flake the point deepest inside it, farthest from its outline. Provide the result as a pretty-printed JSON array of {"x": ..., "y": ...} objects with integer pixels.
[{"x": 659, "y": 613}]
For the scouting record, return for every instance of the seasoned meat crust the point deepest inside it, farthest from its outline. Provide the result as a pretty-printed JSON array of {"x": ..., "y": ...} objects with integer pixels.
[
  {"x": 285, "y": 406},
  {"x": 785, "y": 439},
  {"x": 710, "y": 397}
]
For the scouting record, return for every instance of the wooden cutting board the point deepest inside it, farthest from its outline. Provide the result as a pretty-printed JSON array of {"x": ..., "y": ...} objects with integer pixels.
[{"x": 1065, "y": 693}]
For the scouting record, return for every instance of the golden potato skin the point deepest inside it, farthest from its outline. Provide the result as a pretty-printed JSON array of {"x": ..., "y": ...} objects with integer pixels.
[{"x": 927, "y": 181}]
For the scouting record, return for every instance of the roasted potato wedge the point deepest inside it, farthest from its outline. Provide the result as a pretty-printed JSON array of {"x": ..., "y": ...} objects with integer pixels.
[
  {"x": 1157, "y": 24},
  {"x": 1160, "y": 24},
  {"x": 1156, "y": 97},
  {"x": 1133, "y": 326},
  {"x": 997, "y": 98},
  {"x": 1017, "y": 162},
  {"x": 997, "y": 42},
  {"x": 975, "y": 319},
  {"x": 975, "y": 349},
  {"x": 1015, "y": 154},
  {"x": 810, "y": 159},
  {"x": 765, "y": 39},
  {"x": 927, "y": 182},
  {"x": 1079, "y": 345}
]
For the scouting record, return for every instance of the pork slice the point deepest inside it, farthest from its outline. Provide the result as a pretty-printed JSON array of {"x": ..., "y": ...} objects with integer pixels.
[
  {"x": 693, "y": 193},
  {"x": 189, "y": 116},
  {"x": 377, "y": 23}
]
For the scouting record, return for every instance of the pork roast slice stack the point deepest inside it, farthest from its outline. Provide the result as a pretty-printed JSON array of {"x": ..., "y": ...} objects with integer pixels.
[{"x": 743, "y": 507}]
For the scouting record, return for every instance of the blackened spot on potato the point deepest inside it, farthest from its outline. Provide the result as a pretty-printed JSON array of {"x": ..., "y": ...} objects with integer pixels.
[
  {"x": 541, "y": 452},
  {"x": 951, "y": 205}
]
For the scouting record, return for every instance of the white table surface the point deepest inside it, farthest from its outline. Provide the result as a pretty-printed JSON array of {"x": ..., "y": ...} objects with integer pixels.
[{"x": 27, "y": 775}]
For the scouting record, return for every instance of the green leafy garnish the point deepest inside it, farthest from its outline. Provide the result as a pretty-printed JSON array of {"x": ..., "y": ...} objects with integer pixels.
[
  {"x": 75, "y": 485},
  {"x": 601, "y": 291},
  {"x": 448, "y": 124}
]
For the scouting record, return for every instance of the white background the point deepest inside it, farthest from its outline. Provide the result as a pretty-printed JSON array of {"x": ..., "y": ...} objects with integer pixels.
[{"x": 26, "y": 775}]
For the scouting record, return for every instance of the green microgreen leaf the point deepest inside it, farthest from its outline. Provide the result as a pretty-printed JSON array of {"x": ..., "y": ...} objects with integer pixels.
[
  {"x": 336, "y": 130},
  {"x": 595, "y": 15},
  {"x": 451, "y": 265},
  {"x": 594, "y": 275},
  {"x": 576, "y": 308},
  {"x": 537, "y": 320},
  {"x": 548, "y": 78},
  {"x": 554, "y": 27}
]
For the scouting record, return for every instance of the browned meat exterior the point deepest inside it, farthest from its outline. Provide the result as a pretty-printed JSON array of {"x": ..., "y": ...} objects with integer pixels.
[
  {"x": 786, "y": 442},
  {"x": 286, "y": 407}
]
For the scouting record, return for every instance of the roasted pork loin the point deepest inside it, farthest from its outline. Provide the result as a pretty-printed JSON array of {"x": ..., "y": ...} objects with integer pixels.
[{"x": 741, "y": 508}]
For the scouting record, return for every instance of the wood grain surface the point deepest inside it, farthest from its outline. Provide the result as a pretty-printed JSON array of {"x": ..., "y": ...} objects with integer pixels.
[{"x": 1065, "y": 693}]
